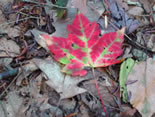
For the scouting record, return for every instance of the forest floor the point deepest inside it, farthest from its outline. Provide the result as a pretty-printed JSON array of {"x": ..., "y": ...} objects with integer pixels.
[{"x": 31, "y": 81}]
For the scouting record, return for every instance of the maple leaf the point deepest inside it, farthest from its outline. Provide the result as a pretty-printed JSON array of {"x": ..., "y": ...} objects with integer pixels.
[{"x": 84, "y": 47}]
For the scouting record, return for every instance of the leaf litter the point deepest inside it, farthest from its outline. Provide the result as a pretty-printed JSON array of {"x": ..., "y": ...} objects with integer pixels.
[{"x": 39, "y": 88}]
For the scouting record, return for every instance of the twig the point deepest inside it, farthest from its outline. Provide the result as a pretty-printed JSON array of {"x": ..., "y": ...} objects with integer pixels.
[{"x": 11, "y": 22}]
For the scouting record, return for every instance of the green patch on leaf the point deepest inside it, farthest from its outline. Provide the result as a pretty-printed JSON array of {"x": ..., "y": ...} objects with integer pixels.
[
  {"x": 71, "y": 56},
  {"x": 105, "y": 51},
  {"x": 85, "y": 49},
  {"x": 117, "y": 40},
  {"x": 65, "y": 50},
  {"x": 64, "y": 60},
  {"x": 85, "y": 60},
  {"x": 75, "y": 46},
  {"x": 84, "y": 39}
]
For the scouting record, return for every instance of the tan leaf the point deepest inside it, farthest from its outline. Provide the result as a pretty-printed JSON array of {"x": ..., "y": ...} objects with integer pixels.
[
  {"x": 65, "y": 85},
  {"x": 142, "y": 91}
]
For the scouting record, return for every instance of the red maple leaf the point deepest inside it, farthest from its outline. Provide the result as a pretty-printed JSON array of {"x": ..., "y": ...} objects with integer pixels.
[{"x": 84, "y": 47}]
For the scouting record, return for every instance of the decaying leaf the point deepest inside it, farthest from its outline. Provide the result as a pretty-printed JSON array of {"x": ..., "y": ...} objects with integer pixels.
[
  {"x": 84, "y": 47},
  {"x": 142, "y": 91},
  {"x": 64, "y": 85}
]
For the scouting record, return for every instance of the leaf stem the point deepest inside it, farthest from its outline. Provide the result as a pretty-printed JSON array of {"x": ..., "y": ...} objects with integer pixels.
[{"x": 98, "y": 92}]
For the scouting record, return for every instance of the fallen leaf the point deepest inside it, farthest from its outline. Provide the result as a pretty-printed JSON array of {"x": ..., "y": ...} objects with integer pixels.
[
  {"x": 125, "y": 69},
  {"x": 10, "y": 31},
  {"x": 66, "y": 86},
  {"x": 13, "y": 31},
  {"x": 84, "y": 47},
  {"x": 142, "y": 91},
  {"x": 11, "y": 105},
  {"x": 27, "y": 69},
  {"x": 9, "y": 48},
  {"x": 137, "y": 11}
]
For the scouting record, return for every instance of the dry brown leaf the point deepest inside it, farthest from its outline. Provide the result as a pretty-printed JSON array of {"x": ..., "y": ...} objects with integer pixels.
[
  {"x": 9, "y": 48},
  {"x": 142, "y": 91},
  {"x": 81, "y": 5}
]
